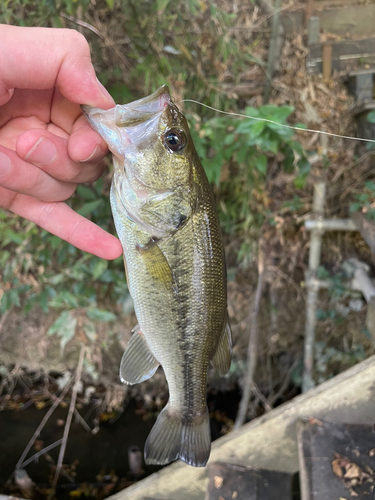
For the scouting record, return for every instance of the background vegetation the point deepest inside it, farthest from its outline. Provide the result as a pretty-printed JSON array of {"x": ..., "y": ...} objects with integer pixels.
[{"x": 216, "y": 54}]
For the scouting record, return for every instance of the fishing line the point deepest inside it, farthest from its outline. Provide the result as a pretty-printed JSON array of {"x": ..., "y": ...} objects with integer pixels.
[{"x": 280, "y": 124}]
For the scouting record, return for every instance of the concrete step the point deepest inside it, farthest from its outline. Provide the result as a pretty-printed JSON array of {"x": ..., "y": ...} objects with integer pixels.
[
  {"x": 270, "y": 441},
  {"x": 236, "y": 482},
  {"x": 336, "y": 460}
]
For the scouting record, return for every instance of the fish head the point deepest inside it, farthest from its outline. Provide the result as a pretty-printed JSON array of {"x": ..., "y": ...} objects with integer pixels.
[{"x": 154, "y": 159}]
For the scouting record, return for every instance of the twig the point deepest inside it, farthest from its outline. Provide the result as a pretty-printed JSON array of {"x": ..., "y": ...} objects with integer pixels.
[
  {"x": 289, "y": 280},
  {"x": 262, "y": 397},
  {"x": 81, "y": 420},
  {"x": 285, "y": 384},
  {"x": 252, "y": 352},
  {"x": 84, "y": 24},
  {"x": 43, "y": 422},
  {"x": 40, "y": 453},
  {"x": 4, "y": 317},
  {"x": 69, "y": 418}
]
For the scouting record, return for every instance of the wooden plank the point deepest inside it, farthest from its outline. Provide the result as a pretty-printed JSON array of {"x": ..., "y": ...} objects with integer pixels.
[
  {"x": 345, "y": 54},
  {"x": 355, "y": 20},
  {"x": 333, "y": 458},
  {"x": 231, "y": 481}
]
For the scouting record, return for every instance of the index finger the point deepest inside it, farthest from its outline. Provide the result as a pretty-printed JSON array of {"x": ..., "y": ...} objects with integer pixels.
[
  {"x": 61, "y": 220},
  {"x": 43, "y": 58}
]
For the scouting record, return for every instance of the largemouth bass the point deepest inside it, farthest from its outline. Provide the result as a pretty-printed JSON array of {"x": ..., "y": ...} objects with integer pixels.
[{"x": 166, "y": 220}]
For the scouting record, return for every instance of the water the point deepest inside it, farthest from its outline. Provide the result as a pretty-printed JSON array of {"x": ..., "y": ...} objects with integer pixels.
[{"x": 89, "y": 457}]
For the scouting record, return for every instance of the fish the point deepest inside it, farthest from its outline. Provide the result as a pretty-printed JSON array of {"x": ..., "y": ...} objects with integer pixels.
[{"x": 165, "y": 217}]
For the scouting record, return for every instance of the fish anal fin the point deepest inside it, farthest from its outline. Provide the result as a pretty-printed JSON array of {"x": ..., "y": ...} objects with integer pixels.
[
  {"x": 174, "y": 437},
  {"x": 137, "y": 363},
  {"x": 222, "y": 357}
]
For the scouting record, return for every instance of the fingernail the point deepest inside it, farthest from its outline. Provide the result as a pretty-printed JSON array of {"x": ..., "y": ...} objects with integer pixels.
[
  {"x": 94, "y": 154},
  {"x": 43, "y": 152},
  {"x": 5, "y": 164},
  {"x": 105, "y": 92}
]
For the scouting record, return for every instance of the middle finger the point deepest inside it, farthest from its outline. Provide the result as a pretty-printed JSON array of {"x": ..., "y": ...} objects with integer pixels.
[
  {"x": 22, "y": 177},
  {"x": 49, "y": 152}
]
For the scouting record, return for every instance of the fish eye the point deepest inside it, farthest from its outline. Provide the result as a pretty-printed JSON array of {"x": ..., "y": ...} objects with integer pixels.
[{"x": 175, "y": 140}]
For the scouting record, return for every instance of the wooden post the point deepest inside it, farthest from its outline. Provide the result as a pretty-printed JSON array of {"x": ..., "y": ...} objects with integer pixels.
[
  {"x": 313, "y": 28},
  {"x": 309, "y": 10},
  {"x": 327, "y": 61},
  {"x": 272, "y": 51},
  {"x": 313, "y": 287}
]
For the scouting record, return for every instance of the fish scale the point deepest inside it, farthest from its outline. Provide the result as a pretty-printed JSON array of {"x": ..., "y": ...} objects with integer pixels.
[{"x": 166, "y": 220}]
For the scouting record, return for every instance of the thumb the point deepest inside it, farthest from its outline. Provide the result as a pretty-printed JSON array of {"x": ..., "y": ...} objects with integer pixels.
[{"x": 43, "y": 58}]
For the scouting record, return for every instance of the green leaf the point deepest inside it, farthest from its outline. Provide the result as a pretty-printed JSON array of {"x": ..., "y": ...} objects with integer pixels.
[
  {"x": 371, "y": 116},
  {"x": 12, "y": 237},
  {"x": 229, "y": 139},
  {"x": 43, "y": 301},
  {"x": 90, "y": 332},
  {"x": 110, "y": 3},
  {"x": 257, "y": 128},
  {"x": 99, "y": 268},
  {"x": 64, "y": 299},
  {"x": 355, "y": 206},
  {"x": 5, "y": 303},
  {"x": 261, "y": 164},
  {"x": 86, "y": 193},
  {"x": 304, "y": 167},
  {"x": 89, "y": 207},
  {"x": 14, "y": 297},
  {"x": 64, "y": 327},
  {"x": 161, "y": 5},
  {"x": 100, "y": 315}
]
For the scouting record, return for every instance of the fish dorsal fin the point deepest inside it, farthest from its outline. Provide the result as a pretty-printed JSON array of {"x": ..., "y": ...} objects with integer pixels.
[
  {"x": 138, "y": 363},
  {"x": 222, "y": 357}
]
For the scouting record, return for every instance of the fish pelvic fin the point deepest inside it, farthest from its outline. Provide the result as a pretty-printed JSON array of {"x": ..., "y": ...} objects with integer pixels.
[
  {"x": 174, "y": 437},
  {"x": 137, "y": 363},
  {"x": 223, "y": 354}
]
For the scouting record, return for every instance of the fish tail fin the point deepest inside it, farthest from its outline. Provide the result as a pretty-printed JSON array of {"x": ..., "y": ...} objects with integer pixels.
[{"x": 174, "y": 437}]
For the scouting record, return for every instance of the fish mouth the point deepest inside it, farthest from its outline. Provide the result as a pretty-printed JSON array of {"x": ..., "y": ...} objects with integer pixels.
[
  {"x": 129, "y": 124},
  {"x": 142, "y": 110}
]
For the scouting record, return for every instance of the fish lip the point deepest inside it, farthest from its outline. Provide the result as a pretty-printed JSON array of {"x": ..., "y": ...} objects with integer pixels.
[{"x": 142, "y": 110}]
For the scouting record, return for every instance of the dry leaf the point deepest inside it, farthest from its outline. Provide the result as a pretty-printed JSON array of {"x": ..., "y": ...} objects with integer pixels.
[
  {"x": 337, "y": 468},
  {"x": 352, "y": 471},
  {"x": 218, "y": 482},
  {"x": 369, "y": 470},
  {"x": 353, "y": 493},
  {"x": 371, "y": 452},
  {"x": 356, "y": 452}
]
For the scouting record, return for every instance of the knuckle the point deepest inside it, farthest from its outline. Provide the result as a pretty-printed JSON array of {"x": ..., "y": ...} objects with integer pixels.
[{"x": 77, "y": 40}]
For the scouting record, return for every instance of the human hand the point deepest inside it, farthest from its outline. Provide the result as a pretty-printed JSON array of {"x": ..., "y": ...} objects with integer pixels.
[{"x": 46, "y": 144}]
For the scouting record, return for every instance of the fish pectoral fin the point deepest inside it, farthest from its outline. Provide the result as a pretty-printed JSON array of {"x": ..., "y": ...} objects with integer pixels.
[
  {"x": 222, "y": 357},
  {"x": 137, "y": 363},
  {"x": 156, "y": 263}
]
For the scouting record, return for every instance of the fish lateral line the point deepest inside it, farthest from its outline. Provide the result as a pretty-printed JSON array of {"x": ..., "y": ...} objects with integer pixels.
[{"x": 291, "y": 127}]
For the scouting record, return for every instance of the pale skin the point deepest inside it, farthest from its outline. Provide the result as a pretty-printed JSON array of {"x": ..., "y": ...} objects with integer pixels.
[{"x": 46, "y": 144}]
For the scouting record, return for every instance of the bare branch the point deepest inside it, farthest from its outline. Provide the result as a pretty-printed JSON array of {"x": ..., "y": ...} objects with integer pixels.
[
  {"x": 252, "y": 352},
  {"x": 69, "y": 418}
]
